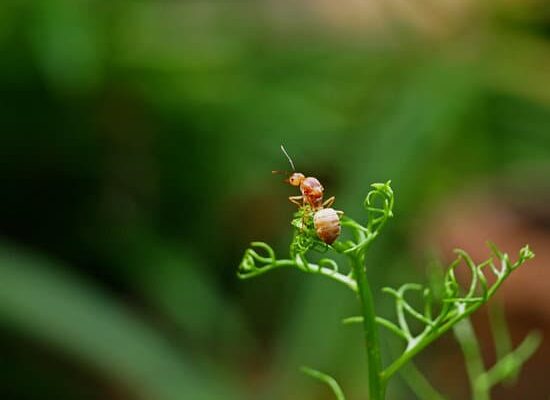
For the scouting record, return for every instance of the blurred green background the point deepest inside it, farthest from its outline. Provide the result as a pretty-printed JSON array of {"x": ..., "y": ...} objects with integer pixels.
[{"x": 136, "y": 144}]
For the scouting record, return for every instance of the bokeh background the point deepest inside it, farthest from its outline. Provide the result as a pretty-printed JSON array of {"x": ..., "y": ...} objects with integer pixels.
[{"x": 136, "y": 144}]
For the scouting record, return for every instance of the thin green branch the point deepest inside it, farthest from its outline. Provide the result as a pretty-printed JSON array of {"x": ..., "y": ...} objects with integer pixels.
[
  {"x": 454, "y": 308},
  {"x": 419, "y": 316},
  {"x": 456, "y": 303},
  {"x": 466, "y": 337},
  {"x": 499, "y": 330},
  {"x": 326, "y": 267},
  {"x": 473, "y": 270},
  {"x": 399, "y": 310},
  {"x": 329, "y": 380},
  {"x": 426, "y": 338},
  {"x": 392, "y": 327},
  {"x": 247, "y": 274},
  {"x": 427, "y": 295},
  {"x": 356, "y": 319},
  {"x": 511, "y": 363},
  {"x": 336, "y": 276},
  {"x": 377, "y": 387},
  {"x": 380, "y": 321},
  {"x": 332, "y": 272}
]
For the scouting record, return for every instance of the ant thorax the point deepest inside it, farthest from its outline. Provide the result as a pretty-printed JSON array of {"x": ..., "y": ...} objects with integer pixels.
[{"x": 312, "y": 191}]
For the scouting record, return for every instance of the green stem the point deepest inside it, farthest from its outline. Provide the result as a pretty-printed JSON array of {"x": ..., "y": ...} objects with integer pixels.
[
  {"x": 377, "y": 388},
  {"x": 500, "y": 331},
  {"x": 512, "y": 362},
  {"x": 428, "y": 337},
  {"x": 464, "y": 333},
  {"x": 311, "y": 268}
]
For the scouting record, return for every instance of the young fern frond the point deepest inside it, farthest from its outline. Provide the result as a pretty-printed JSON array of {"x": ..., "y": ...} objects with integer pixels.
[
  {"x": 379, "y": 206},
  {"x": 457, "y": 303},
  {"x": 253, "y": 264},
  {"x": 305, "y": 240}
]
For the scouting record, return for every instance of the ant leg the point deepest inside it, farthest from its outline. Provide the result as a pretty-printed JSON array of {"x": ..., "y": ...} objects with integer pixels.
[
  {"x": 329, "y": 202},
  {"x": 298, "y": 200}
]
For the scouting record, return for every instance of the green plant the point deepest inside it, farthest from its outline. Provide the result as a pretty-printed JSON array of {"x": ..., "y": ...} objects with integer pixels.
[
  {"x": 443, "y": 309},
  {"x": 508, "y": 363}
]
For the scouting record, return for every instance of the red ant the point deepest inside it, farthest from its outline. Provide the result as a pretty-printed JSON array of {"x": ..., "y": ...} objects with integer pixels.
[{"x": 325, "y": 219}]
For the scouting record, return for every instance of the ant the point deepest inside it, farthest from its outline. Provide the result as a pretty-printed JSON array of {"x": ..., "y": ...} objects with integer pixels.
[
  {"x": 311, "y": 188},
  {"x": 326, "y": 220}
]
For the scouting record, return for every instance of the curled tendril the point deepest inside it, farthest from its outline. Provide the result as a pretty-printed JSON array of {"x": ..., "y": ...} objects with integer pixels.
[
  {"x": 302, "y": 263},
  {"x": 329, "y": 263},
  {"x": 457, "y": 302},
  {"x": 382, "y": 190},
  {"x": 248, "y": 266},
  {"x": 300, "y": 244},
  {"x": 260, "y": 257},
  {"x": 379, "y": 204},
  {"x": 325, "y": 265},
  {"x": 253, "y": 264}
]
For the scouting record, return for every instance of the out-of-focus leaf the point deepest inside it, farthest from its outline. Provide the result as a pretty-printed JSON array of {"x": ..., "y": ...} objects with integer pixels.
[
  {"x": 524, "y": 75},
  {"x": 56, "y": 308},
  {"x": 180, "y": 285},
  {"x": 67, "y": 43}
]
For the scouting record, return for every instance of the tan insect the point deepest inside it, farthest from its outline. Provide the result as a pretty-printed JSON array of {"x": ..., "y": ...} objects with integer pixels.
[{"x": 325, "y": 219}]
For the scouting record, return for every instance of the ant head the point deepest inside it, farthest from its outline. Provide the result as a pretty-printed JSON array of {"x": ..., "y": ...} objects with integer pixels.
[{"x": 296, "y": 179}]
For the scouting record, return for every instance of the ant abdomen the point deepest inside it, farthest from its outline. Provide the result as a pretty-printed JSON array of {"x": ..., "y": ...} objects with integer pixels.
[{"x": 327, "y": 225}]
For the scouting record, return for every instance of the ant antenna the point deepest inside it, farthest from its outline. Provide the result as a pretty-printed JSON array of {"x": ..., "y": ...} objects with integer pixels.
[{"x": 288, "y": 157}]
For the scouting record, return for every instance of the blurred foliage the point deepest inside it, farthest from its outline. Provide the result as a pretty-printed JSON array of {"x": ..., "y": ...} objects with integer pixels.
[{"x": 135, "y": 147}]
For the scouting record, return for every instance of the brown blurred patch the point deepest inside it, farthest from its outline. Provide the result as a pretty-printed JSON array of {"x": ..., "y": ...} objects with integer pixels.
[{"x": 509, "y": 218}]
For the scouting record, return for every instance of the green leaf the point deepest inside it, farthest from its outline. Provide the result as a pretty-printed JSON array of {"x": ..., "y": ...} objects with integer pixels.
[{"x": 51, "y": 305}]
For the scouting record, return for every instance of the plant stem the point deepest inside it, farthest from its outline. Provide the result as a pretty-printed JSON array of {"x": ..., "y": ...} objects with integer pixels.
[
  {"x": 501, "y": 333},
  {"x": 377, "y": 388},
  {"x": 464, "y": 333},
  {"x": 428, "y": 338},
  {"x": 512, "y": 362}
]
